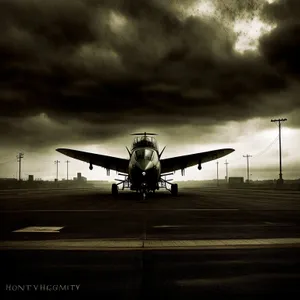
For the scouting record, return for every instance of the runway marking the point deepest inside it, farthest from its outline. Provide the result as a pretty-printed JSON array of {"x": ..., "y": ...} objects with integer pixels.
[
  {"x": 170, "y": 226},
  {"x": 42, "y": 229},
  {"x": 89, "y": 244},
  {"x": 208, "y": 243},
  {"x": 265, "y": 224},
  {"x": 117, "y": 210}
]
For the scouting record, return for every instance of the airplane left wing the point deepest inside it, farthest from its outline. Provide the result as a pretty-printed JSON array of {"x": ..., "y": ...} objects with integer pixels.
[
  {"x": 105, "y": 161},
  {"x": 185, "y": 161}
]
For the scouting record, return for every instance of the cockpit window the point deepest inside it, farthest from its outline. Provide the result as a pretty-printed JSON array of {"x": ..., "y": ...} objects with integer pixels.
[
  {"x": 144, "y": 141},
  {"x": 144, "y": 153}
]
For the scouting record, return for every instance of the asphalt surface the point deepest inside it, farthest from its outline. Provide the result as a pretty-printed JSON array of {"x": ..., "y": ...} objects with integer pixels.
[{"x": 206, "y": 242}]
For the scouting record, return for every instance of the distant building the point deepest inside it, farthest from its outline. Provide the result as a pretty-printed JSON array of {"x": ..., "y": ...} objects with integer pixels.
[
  {"x": 219, "y": 180},
  {"x": 30, "y": 178},
  {"x": 8, "y": 179},
  {"x": 79, "y": 177},
  {"x": 236, "y": 179}
]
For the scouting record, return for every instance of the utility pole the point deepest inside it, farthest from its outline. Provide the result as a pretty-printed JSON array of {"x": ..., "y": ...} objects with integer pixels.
[
  {"x": 217, "y": 173},
  {"x": 226, "y": 163},
  {"x": 56, "y": 162},
  {"x": 19, "y": 160},
  {"x": 280, "y": 180},
  {"x": 67, "y": 169},
  {"x": 247, "y": 156}
]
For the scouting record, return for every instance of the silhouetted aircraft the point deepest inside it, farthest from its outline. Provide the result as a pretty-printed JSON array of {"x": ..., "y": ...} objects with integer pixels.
[{"x": 145, "y": 171}]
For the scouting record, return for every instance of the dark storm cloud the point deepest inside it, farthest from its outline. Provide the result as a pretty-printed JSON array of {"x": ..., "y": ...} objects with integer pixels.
[
  {"x": 119, "y": 65},
  {"x": 283, "y": 10},
  {"x": 281, "y": 47},
  {"x": 42, "y": 132},
  {"x": 294, "y": 119}
]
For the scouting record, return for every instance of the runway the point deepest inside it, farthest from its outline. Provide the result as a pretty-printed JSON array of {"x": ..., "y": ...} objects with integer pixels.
[{"x": 204, "y": 242}]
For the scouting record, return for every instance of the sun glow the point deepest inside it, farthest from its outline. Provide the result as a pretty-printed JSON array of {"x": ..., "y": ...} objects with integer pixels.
[
  {"x": 248, "y": 33},
  {"x": 202, "y": 9},
  {"x": 117, "y": 21},
  {"x": 247, "y": 29}
]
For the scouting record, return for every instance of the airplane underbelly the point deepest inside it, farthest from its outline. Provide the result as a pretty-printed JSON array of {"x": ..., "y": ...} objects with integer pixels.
[{"x": 150, "y": 177}]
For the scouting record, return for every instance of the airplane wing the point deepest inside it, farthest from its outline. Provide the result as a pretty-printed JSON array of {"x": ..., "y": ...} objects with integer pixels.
[
  {"x": 185, "y": 161},
  {"x": 108, "y": 162}
]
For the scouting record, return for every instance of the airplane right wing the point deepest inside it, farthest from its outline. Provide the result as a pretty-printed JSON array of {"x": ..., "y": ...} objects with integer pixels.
[
  {"x": 181, "y": 162},
  {"x": 105, "y": 161}
]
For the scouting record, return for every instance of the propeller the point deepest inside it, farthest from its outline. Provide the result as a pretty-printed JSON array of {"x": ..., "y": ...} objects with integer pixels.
[{"x": 144, "y": 133}]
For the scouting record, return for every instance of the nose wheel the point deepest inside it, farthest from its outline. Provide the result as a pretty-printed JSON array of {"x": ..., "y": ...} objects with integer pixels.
[
  {"x": 114, "y": 189},
  {"x": 174, "y": 189},
  {"x": 143, "y": 195}
]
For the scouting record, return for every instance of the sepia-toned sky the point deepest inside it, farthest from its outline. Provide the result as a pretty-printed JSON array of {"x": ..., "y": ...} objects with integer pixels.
[{"x": 84, "y": 74}]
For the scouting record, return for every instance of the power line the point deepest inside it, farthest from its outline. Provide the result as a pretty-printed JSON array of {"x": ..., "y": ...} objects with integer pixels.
[
  {"x": 280, "y": 180},
  {"x": 5, "y": 158},
  {"x": 248, "y": 171},
  {"x": 259, "y": 153},
  {"x": 267, "y": 148},
  {"x": 19, "y": 160},
  {"x": 6, "y": 162}
]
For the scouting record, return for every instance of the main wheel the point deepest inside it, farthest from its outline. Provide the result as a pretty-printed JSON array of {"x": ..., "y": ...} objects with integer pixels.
[
  {"x": 174, "y": 189},
  {"x": 114, "y": 189},
  {"x": 143, "y": 195}
]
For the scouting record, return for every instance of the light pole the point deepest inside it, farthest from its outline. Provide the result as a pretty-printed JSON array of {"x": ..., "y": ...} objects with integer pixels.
[
  {"x": 280, "y": 180},
  {"x": 57, "y": 162},
  {"x": 248, "y": 169},
  {"x": 217, "y": 173},
  {"x": 226, "y": 163}
]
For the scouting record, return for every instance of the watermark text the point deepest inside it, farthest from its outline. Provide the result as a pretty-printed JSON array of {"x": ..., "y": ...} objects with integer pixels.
[{"x": 42, "y": 287}]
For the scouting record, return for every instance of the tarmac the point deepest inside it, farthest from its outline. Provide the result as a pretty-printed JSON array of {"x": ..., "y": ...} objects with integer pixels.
[{"x": 206, "y": 242}]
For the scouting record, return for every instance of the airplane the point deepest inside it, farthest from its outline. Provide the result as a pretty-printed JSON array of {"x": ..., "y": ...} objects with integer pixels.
[{"x": 145, "y": 171}]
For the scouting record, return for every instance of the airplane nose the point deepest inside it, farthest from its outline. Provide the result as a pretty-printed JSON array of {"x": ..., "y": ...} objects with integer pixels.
[{"x": 145, "y": 164}]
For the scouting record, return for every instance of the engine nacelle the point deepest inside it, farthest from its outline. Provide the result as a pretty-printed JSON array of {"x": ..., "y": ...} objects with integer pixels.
[
  {"x": 91, "y": 167},
  {"x": 199, "y": 166}
]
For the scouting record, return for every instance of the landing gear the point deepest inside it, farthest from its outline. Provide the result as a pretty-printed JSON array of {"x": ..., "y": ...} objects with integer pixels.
[
  {"x": 114, "y": 189},
  {"x": 174, "y": 189}
]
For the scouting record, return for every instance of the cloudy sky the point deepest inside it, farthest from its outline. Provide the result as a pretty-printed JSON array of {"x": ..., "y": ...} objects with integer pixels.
[{"x": 202, "y": 74}]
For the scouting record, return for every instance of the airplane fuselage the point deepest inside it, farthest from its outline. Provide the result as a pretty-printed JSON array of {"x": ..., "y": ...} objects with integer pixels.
[{"x": 144, "y": 169}]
